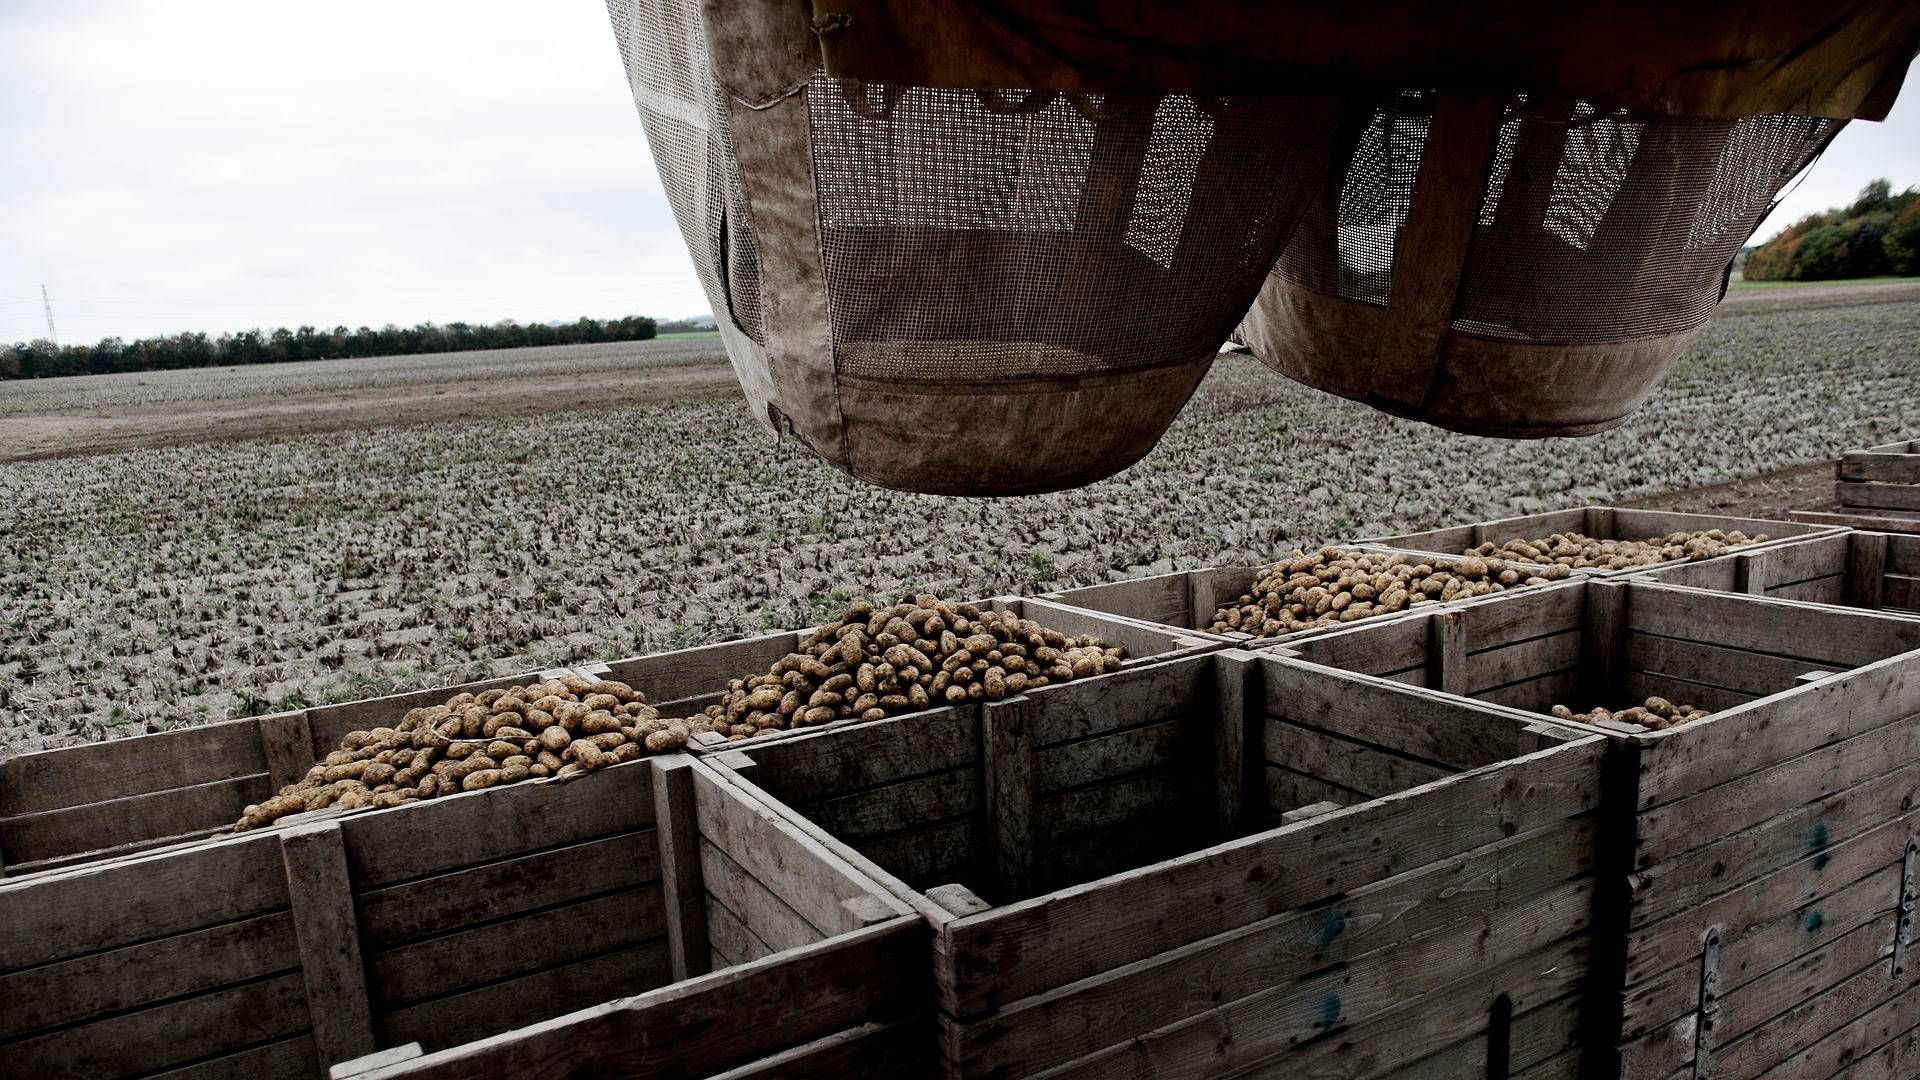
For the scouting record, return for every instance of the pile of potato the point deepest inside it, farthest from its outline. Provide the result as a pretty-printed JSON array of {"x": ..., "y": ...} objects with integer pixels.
[
  {"x": 870, "y": 663},
  {"x": 1657, "y": 714},
  {"x": 921, "y": 652},
  {"x": 1578, "y": 551},
  {"x": 1331, "y": 586},
  {"x": 561, "y": 727}
]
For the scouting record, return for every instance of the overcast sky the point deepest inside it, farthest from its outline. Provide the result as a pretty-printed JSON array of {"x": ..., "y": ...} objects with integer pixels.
[{"x": 206, "y": 164}]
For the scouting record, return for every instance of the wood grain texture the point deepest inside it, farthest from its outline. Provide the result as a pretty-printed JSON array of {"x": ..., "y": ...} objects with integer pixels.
[
  {"x": 328, "y": 934},
  {"x": 682, "y": 885},
  {"x": 1006, "y": 753}
]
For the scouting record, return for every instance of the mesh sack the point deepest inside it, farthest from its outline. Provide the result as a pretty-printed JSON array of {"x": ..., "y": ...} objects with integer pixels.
[
  {"x": 952, "y": 290},
  {"x": 1519, "y": 266}
]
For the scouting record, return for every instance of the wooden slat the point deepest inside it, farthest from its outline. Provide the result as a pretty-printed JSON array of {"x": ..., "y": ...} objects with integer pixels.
[
  {"x": 1792, "y": 795},
  {"x": 328, "y": 937},
  {"x": 1236, "y": 765},
  {"x": 1820, "y": 636},
  {"x": 1875, "y": 495},
  {"x": 1675, "y": 940},
  {"x": 1380, "y": 648},
  {"x": 1526, "y": 614},
  {"x": 1126, "y": 801},
  {"x": 1438, "y": 919},
  {"x": 1903, "y": 554},
  {"x": 1350, "y": 764},
  {"x": 1758, "y": 1002},
  {"x": 1900, "y": 594},
  {"x": 460, "y": 1018},
  {"x": 905, "y": 804},
  {"x": 1535, "y": 657},
  {"x": 1898, "y": 1059},
  {"x": 711, "y": 1023},
  {"x": 436, "y": 835},
  {"x": 682, "y": 883},
  {"x": 1416, "y": 722},
  {"x": 55, "y": 915},
  {"x": 812, "y": 766},
  {"x": 1680, "y": 761},
  {"x": 117, "y": 980},
  {"x": 1288, "y": 790},
  {"x": 770, "y": 918},
  {"x": 925, "y": 856},
  {"x": 1144, "y": 640},
  {"x": 1124, "y": 699},
  {"x": 117, "y": 768},
  {"x": 1273, "y": 1028},
  {"x": 1008, "y": 778},
  {"x": 1866, "y": 569},
  {"x": 684, "y": 673},
  {"x": 175, "y": 1033},
  {"x": 31, "y": 838},
  {"x": 288, "y": 1058},
  {"x": 1035, "y": 945},
  {"x": 730, "y": 937},
  {"x": 1542, "y": 1043},
  {"x": 1893, "y": 467},
  {"x": 286, "y": 744},
  {"x": 1782, "y": 1039},
  {"x": 1447, "y": 652},
  {"x": 395, "y": 914},
  {"x": 1750, "y": 673},
  {"x": 790, "y": 864},
  {"x": 1641, "y": 685},
  {"x": 495, "y": 951},
  {"x": 1758, "y": 944},
  {"x": 1161, "y": 599},
  {"x": 902, "y": 1048},
  {"x": 1535, "y": 695}
]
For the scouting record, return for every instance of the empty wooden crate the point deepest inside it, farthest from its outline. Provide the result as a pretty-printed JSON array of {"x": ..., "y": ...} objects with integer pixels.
[
  {"x": 1600, "y": 523},
  {"x": 1143, "y": 875},
  {"x": 277, "y": 954},
  {"x": 1761, "y": 887},
  {"x": 1875, "y": 488}
]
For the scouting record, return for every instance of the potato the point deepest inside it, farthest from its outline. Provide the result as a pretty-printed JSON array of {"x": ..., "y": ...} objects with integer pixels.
[{"x": 1334, "y": 586}]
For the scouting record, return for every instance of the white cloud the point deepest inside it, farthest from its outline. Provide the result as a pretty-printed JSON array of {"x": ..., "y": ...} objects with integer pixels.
[
  {"x": 216, "y": 165},
  {"x": 1863, "y": 152}
]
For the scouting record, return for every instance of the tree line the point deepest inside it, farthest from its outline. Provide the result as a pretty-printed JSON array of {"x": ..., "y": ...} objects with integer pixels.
[
  {"x": 40, "y": 359},
  {"x": 1876, "y": 235}
]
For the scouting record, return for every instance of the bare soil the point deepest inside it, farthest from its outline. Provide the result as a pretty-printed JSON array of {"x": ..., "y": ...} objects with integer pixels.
[{"x": 1765, "y": 495}]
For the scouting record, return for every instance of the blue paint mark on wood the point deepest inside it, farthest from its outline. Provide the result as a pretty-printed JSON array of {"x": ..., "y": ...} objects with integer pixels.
[
  {"x": 1332, "y": 925},
  {"x": 1330, "y": 1012},
  {"x": 1817, "y": 844},
  {"x": 1814, "y": 920}
]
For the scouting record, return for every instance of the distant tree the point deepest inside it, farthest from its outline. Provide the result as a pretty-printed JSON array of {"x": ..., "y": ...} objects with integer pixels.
[
  {"x": 1875, "y": 234},
  {"x": 1902, "y": 241}
]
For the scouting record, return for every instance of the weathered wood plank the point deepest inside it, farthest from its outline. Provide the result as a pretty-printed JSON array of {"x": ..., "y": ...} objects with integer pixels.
[
  {"x": 496, "y": 951},
  {"x": 1779, "y": 990},
  {"x": 1675, "y": 940},
  {"x": 770, "y": 918},
  {"x": 790, "y": 864},
  {"x": 393, "y": 1055},
  {"x": 1051, "y": 940},
  {"x": 730, "y": 936},
  {"x": 1236, "y": 768},
  {"x": 1903, "y": 554},
  {"x": 171, "y": 1034},
  {"x": 1270, "y": 1031},
  {"x": 903, "y": 805},
  {"x": 1385, "y": 648},
  {"x": 1898, "y": 1059},
  {"x": 1310, "y": 811},
  {"x": 925, "y": 856},
  {"x": 436, "y": 835},
  {"x": 1680, "y": 761},
  {"x": 286, "y": 743},
  {"x": 328, "y": 936},
  {"x": 1866, "y": 568},
  {"x": 1757, "y": 945},
  {"x": 55, "y": 915},
  {"x": 1810, "y": 801},
  {"x": 958, "y": 899},
  {"x": 1162, "y": 598},
  {"x": 1409, "y": 720},
  {"x": 117, "y": 768},
  {"x": 1548, "y": 1034},
  {"x": 1492, "y": 668},
  {"x": 901, "y": 1048},
  {"x": 805, "y": 768},
  {"x": 1526, "y": 894},
  {"x": 1144, "y": 640},
  {"x": 1819, "y": 636},
  {"x": 1008, "y": 768},
  {"x": 48, "y": 834},
  {"x": 1750, "y": 673},
  {"x": 1288, "y": 790},
  {"x": 718, "y": 1021},
  {"x": 395, "y": 914},
  {"x": 1447, "y": 652},
  {"x": 1866, "y": 466},
  {"x": 289, "y": 1058},
  {"x": 685, "y": 673},
  {"x": 118, "y": 980},
  {"x": 1826, "y": 590},
  {"x": 1348, "y": 763},
  {"x": 682, "y": 884},
  {"x": 1536, "y": 695},
  {"x": 460, "y": 1018},
  {"x": 1805, "y": 1028},
  {"x": 1123, "y": 699},
  {"x": 1876, "y": 495}
]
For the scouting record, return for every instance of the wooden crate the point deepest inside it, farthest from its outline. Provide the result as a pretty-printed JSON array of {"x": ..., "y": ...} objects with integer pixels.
[
  {"x": 82, "y": 803},
  {"x": 1147, "y": 874},
  {"x": 1762, "y": 881},
  {"x": 276, "y": 954},
  {"x": 1186, "y": 600},
  {"x": 1599, "y": 522},
  {"x": 100, "y": 800},
  {"x": 1875, "y": 488},
  {"x": 1872, "y": 570}
]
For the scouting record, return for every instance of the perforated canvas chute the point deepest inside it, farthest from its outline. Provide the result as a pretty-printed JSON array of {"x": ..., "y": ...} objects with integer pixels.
[
  {"x": 1520, "y": 265},
  {"x": 962, "y": 291}
]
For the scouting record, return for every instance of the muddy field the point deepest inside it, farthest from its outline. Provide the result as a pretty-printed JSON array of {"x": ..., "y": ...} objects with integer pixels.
[{"x": 487, "y": 513}]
